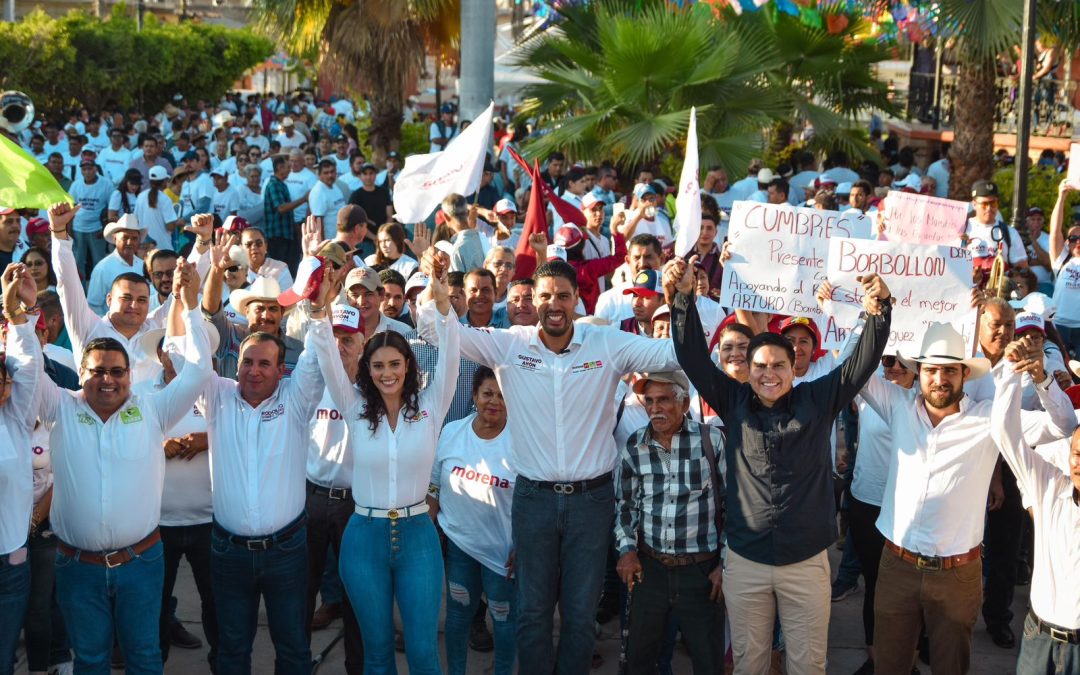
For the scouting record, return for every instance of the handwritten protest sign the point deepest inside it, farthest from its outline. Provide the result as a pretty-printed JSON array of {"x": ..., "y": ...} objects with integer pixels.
[
  {"x": 929, "y": 283},
  {"x": 921, "y": 219},
  {"x": 779, "y": 254}
]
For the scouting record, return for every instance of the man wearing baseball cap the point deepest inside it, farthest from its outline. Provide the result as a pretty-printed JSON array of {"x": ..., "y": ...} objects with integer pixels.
[
  {"x": 92, "y": 195},
  {"x": 986, "y": 229},
  {"x": 1040, "y": 247},
  {"x": 668, "y": 527},
  {"x": 224, "y": 202},
  {"x": 646, "y": 214},
  {"x": 329, "y": 482},
  {"x": 364, "y": 291},
  {"x": 442, "y": 130},
  {"x": 648, "y": 295},
  {"x": 596, "y": 244}
]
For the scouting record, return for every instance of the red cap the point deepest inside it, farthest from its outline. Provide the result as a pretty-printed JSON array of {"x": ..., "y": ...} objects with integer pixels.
[
  {"x": 568, "y": 236},
  {"x": 36, "y": 226},
  {"x": 809, "y": 324},
  {"x": 1073, "y": 393}
]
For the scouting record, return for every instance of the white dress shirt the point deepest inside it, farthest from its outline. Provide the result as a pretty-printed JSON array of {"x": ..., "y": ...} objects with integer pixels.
[
  {"x": 259, "y": 454},
  {"x": 1048, "y": 493},
  {"x": 391, "y": 467},
  {"x": 272, "y": 269},
  {"x": 186, "y": 497},
  {"x": 108, "y": 475},
  {"x": 935, "y": 496},
  {"x": 329, "y": 460},
  {"x": 17, "y": 418},
  {"x": 560, "y": 407},
  {"x": 84, "y": 325}
]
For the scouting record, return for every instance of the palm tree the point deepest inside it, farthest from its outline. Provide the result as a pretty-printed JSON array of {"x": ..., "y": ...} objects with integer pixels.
[
  {"x": 619, "y": 82},
  {"x": 375, "y": 46},
  {"x": 621, "y": 75}
]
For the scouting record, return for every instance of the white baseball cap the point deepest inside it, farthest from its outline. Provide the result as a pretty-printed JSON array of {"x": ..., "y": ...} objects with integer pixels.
[{"x": 158, "y": 173}]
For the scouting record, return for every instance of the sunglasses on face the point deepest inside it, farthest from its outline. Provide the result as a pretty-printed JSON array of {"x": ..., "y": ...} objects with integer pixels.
[
  {"x": 888, "y": 361},
  {"x": 233, "y": 270},
  {"x": 115, "y": 373},
  {"x": 1073, "y": 238}
]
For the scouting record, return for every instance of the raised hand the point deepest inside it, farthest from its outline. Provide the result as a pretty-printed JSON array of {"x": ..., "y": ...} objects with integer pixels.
[
  {"x": 219, "y": 253},
  {"x": 202, "y": 226},
  {"x": 328, "y": 289},
  {"x": 824, "y": 294},
  {"x": 539, "y": 242},
  {"x": 726, "y": 252},
  {"x": 421, "y": 240},
  {"x": 877, "y": 293},
  {"x": 189, "y": 281},
  {"x": 60, "y": 216},
  {"x": 311, "y": 236}
]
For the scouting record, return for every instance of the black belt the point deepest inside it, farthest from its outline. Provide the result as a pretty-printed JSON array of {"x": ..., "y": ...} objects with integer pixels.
[
  {"x": 341, "y": 494},
  {"x": 570, "y": 487},
  {"x": 1056, "y": 633},
  {"x": 262, "y": 543}
]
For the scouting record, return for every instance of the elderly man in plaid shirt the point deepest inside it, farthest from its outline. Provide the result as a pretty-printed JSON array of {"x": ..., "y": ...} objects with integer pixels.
[{"x": 668, "y": 527}]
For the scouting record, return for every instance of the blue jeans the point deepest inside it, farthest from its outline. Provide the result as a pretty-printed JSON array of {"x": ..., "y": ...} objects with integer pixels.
[
  {"x": 1041, "y": 655},
  {"x": 46, "y": 638},
  {"x": 97, "y": 602},
  {"x": 465, "y": 579},
  {"x": 14, "y": 595},
  {"x": 383, "y": 561},
  {"x": 561, "y": 542},
  {"x": 279, "y": 575}
]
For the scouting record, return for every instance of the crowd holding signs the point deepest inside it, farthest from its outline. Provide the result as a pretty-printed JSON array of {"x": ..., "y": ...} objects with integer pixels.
[{"x": 631, "y": 413}]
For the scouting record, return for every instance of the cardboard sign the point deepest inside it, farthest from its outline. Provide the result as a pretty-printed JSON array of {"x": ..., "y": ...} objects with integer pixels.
[
  {"x": 921, "y": 219},
  {"x": 929, "y": 283},
  {"x": 779, "y": 256}
]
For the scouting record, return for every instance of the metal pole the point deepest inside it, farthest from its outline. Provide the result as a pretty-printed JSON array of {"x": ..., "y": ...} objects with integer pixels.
[
  {"x": 140, "y": 10},
  {"x": 477, "y": 57},
  {"x": 9, "y": 11},
  {"x": 938, "y": 49},
  {"x": 1027, "y": 66}
]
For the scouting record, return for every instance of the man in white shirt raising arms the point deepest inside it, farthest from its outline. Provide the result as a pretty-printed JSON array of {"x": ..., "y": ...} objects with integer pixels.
[
  {"x": 934, "y": 503},
  {"x": 108, "y": 471},
  {"x": 259, "y": 429},
  {"x": 559, "y": 381},
  {"x": 1052, "y": 628},
  {"x": 128, "y": 301}
]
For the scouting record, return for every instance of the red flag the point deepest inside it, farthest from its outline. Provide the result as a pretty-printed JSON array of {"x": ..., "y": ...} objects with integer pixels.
[
  {"x": 567, "y": 211},
  {"x": 535, "y": 221}
]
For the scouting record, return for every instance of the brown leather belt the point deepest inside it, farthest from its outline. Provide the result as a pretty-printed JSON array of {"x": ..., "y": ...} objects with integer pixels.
[
  {"x": 111, "y": 558},
  {"x": 676, "y": 559},
  {"x": 928, "y": 563}
]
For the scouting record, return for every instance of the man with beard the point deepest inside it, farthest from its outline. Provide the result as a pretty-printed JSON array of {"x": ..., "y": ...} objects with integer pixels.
[
  {"x": 161, "y": 266},
  {"x": 934, "y": 503},
  {"x": 564, "y": 499}
]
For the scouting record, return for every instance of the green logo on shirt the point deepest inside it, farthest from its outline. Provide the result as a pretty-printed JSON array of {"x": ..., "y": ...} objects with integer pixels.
[
  {"x": 85, "y": 419},
  {"x": 130, "y": 415}
]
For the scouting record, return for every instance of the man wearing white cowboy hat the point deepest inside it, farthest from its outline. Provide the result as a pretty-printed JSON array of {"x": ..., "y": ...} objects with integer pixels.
[
  {"x": 124, "y": 235},
  {"x": 128, "y": 297},
  {"x": 258, "y": 303},
  {"x": 933, "y": 508}
]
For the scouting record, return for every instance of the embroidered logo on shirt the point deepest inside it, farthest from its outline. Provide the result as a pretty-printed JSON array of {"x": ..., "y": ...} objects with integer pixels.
[
  {"x": 587, "y": 366},
  {"x": 130, "y": 415},
  {"x": 530, "y": 363},
  {"x": 422, "y": 415},
  {"x": 85, "y": 419},
  {"x": 268, "y": 415}
]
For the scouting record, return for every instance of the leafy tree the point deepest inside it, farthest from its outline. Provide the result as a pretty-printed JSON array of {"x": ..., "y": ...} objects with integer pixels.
[
  {"x": 374, "y": 46},
  {"x": 79, "y": 60},
  {"x": 620, "y": 77}
]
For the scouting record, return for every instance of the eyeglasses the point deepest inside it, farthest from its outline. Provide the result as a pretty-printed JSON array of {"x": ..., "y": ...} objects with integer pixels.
[
  {"x": 115, "y": 373},
  {"x": 164, "y": 275},
  {"x": 1073, "y": 238},
  {"x": 986, "y": 204},
  {"x": 888, "y": 361},
  {"x": 233, "y": 270},
  {"x": 35, "y": 263}
]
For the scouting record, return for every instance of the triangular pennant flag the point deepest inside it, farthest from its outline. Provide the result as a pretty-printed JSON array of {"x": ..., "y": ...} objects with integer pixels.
[
  {"x": 24, "y": 182},
  {"x": 567, "y": 211},
  {"x": 535, "y": 221}
]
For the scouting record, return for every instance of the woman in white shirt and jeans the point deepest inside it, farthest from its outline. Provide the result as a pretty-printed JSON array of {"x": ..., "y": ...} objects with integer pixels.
[
  {"x": 390, "y": 550},
  {"x": 472, "y": 487}
]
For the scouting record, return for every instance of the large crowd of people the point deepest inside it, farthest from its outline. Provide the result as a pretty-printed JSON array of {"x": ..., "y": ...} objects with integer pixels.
[{"x": 225, "y": 349}]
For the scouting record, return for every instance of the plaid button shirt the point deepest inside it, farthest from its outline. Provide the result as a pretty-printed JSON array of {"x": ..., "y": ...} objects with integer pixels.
[
  {"x": 668, "y": 495},
  {"x": 276, "y": 224}
]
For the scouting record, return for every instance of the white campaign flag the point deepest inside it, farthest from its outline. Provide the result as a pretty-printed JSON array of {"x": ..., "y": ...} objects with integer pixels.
[
  {"x": 427, "y": 179},
  {"x": 688, "y": 201}
]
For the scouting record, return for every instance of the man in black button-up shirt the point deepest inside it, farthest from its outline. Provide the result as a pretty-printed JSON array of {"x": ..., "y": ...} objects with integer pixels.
[{"x": 781, "y": 516}]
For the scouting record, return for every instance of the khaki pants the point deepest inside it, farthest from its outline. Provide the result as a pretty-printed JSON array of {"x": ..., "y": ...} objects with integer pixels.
[
  {"x": 801, "y": 592},
  {"x": 947, "y": 601}
]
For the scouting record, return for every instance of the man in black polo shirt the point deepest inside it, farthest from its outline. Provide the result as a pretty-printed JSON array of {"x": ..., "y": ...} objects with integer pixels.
[{"x": 780, "y": 512}]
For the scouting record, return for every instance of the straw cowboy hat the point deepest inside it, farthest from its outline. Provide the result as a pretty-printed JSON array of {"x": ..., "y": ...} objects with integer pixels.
[
  {"x": 150, "y": 339},
  {"x": 263, "y": 289},
  {"x": 943, "y": 345},
  {"x": 128, "y": 221}
]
